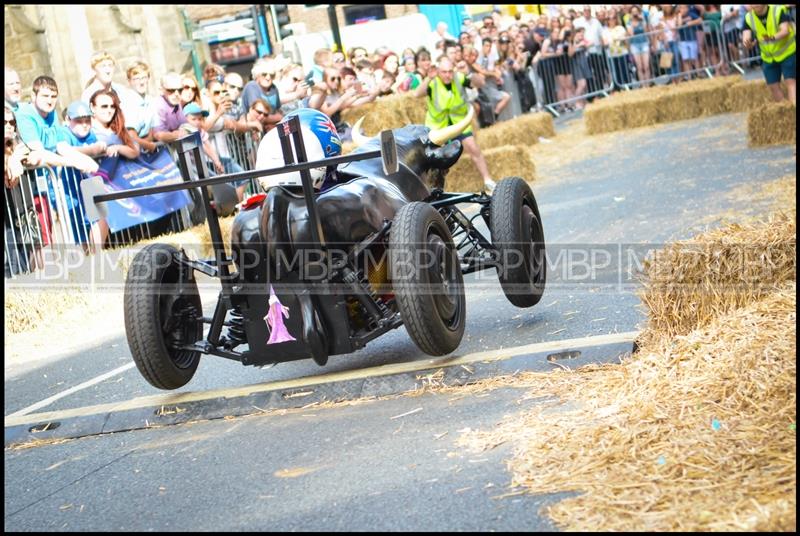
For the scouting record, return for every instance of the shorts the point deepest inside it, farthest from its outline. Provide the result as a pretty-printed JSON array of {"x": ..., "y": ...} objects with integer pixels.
[
  {"x": 688, "y": 50},
  {"x": 640, "y": 48},
  {"x": 773, "y": 71}
]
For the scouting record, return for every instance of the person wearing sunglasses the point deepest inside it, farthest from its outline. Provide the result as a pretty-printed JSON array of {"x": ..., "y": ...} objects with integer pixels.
[
  {"x": 190, "y": 92},
  {"x": 331, "y": 99},
  {"x": 167, "y": 111},
  {"x": 293, "y": 88},
  {"x": 108, "y": 124},
  {"x": 263, "y": 87}
]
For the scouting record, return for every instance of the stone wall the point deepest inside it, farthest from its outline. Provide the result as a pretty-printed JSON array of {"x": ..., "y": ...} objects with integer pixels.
[{"x": 58, "y": 40}]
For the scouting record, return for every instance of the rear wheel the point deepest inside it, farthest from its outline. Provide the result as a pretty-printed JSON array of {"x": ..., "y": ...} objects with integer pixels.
[
  {"x": 162, "y": 312},
  {"x": 427, "y": 280},
  {"x": 519, "y": 238}
]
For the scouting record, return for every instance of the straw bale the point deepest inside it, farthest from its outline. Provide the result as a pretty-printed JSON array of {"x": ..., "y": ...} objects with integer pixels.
[
  {"x": 747, "y": 95},
  {"x": 202, "y": 236},
  {"x": 505, "y": 161},
  {"x": 772, "y": 124},
  {"x": 599, "y": 118},
  {"x": 658, "y": 104},
  {"x": 690, "y": 282},
  {"x": 26, "y": 309},
  {"x": 695, "y": 433},
  {"x": 394, "y": 111},
  {"x": 524, "y": 129}
]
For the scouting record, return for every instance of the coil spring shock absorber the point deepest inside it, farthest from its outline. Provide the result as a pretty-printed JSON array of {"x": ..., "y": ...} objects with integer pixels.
[{"x": 236, "y": 333}]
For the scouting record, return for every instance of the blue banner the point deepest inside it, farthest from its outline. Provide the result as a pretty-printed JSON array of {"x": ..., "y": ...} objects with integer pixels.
[{"x": 155, "y": 169}]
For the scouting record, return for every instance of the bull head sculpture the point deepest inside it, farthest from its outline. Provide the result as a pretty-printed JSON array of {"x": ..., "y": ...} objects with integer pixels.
[{"x": 426, "y": 152}]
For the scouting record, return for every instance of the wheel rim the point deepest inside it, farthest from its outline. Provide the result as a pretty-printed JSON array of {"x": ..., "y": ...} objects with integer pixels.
[
  {"x": 444, "y": 284},
  {"x": 174, "y": 329},
  {"x": 532, "y": 243}
]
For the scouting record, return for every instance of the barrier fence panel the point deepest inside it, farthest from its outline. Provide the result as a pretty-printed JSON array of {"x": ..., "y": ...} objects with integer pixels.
[
  {"x": 664, "y": 55},
  {"x": 45, "y": 210},
  {"x": 561, "y": 80}
]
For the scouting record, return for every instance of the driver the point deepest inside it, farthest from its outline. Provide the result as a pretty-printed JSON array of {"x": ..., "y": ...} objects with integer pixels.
[{"x": 321, "y": 141}]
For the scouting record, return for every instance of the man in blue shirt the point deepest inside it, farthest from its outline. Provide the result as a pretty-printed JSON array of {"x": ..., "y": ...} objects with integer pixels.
[{"x": 39, "y": 129}]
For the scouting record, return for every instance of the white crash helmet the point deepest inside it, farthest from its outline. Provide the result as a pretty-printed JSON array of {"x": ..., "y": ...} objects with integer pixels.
[{"x": 319, "y": 137}]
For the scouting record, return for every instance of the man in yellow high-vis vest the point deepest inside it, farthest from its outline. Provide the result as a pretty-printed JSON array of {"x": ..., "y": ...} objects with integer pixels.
[
  {"x": 447, "y": 105},
  {"x": 774, "y": 30}
]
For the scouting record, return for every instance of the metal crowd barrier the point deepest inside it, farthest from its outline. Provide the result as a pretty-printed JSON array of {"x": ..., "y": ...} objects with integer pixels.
[
  {"x": 625, "y": 73},
  {"x": 555, "y": 82},
  {"x": 45, "y": 210}
]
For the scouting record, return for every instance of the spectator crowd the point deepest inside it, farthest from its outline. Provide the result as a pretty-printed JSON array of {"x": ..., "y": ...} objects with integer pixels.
[{"x": 524, "y": 62}]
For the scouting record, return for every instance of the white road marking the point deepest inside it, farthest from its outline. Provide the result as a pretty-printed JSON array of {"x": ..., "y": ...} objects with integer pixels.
[{"x": 62, "y": 394}]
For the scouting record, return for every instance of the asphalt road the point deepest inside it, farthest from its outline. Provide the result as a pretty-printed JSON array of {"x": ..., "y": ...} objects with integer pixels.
[{"x": 659, "y": 184}]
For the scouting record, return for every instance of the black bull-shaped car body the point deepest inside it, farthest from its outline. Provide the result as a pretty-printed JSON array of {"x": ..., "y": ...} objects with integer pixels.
[{"x": 338, "y": 268}]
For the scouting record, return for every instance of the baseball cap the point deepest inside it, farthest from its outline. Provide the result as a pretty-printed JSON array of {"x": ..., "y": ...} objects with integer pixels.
[
  {"x": 542, "y": 31},
  {"x": 78, "y": 109},
  {"x": 193, "y": 108}
]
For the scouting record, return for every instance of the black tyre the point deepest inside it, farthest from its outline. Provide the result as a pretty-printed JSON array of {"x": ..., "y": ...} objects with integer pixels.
[
  {"x": 519, "y": 238},
  {"x": 161, "y": 313},
  {"x": 427, "y": 280}
]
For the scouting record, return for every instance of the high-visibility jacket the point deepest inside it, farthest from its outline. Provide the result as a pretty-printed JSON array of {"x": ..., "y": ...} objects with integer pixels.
[
  {"x": 447, "y": 106},
  {"x": 773, "y": 51}
]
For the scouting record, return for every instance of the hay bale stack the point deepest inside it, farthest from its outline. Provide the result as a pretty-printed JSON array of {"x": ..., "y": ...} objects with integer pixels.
[
  {"x": 525, "y": 129},
  {"x": 394, "y": 111},
  {"x": 747, "y": 95},
  {"x": 25, "y": 309},
  {"x": 772, "y": 124},
  {"x": 202, "y": 236},
  {"x": 689, "y": 283},
  {"x": 659, "y": 104},
  {"x": 505, "y": 161},
  {"x": 602, "y": 116}
]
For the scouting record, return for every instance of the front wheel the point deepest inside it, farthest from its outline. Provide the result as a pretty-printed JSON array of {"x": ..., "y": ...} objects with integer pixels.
[
  {"x": 427, "y": 280},
  {"x": 519, "y": 238},
  {"x": 162, "y": 313}
]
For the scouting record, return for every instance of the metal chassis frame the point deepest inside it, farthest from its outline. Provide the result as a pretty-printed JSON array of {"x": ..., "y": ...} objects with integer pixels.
[{"x": 219, "y": 266}]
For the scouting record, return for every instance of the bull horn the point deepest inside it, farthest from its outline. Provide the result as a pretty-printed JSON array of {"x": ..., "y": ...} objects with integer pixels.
[
  {"x": 440, "y": 136},
  {"x": 358, "y": 138}
]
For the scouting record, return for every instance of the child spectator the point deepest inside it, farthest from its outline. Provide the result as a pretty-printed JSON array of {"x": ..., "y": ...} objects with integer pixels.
[
  {"x": 322, "y": 59},
  {"x": 79, "y": 134},
  {"x": 195, "y": 119},
  {"x": 81, "y": 137}
]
